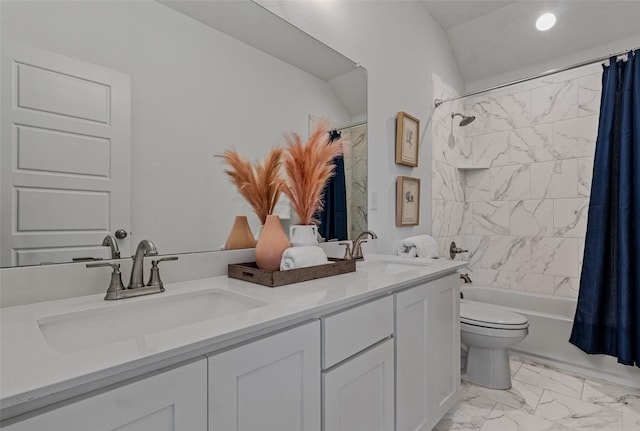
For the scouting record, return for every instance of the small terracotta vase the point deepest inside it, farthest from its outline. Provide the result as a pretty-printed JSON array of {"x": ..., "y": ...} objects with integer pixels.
[
  {"x": 240, "y": 235},
  {"x": 271, "y": 244}
]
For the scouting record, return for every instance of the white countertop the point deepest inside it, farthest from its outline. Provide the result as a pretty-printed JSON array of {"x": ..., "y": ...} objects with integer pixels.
[{"x": 31, "y": 370}]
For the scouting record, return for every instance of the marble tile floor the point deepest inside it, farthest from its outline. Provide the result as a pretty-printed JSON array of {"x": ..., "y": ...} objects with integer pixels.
[{"x": 543, "y": 398}]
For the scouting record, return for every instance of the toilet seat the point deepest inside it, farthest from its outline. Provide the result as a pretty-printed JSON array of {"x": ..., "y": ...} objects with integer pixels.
[
  {"x": 485, "y": 316},
  {"x": 493, "y": 332}
]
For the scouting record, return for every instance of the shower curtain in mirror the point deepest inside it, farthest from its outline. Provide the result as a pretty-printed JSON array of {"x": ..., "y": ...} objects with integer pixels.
[
  {"x": 333, "y": 217},
  {"x": 607, "y": 319}
]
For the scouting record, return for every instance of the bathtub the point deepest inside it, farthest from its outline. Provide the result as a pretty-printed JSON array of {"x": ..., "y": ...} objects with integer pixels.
[{"x": 550, "y": 322}]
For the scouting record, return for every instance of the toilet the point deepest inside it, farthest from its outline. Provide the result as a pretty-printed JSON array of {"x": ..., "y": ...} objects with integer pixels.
[{"x": 488, "y": 332}]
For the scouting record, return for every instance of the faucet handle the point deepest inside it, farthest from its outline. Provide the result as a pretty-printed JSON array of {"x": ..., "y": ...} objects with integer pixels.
[
  {"x": 348, "y": 253},
  {"x": 453, "y": 250},
  {"x": 115, "y": 266},
  {"x": 115, "y": 286},
  {"x": 154, "y": 278},
  {"x": 167, "y": 258}
]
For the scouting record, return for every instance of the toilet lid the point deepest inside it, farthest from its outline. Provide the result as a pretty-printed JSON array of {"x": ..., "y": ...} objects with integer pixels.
[{"x": 490, "y": 317}]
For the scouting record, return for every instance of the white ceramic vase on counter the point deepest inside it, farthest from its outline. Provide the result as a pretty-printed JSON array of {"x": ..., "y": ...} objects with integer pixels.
[{"x": 300, "y": 235}]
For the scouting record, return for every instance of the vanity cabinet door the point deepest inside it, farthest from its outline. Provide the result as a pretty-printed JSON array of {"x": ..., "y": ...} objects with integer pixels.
[
  {"x": 174, "y": 400},
  {"x": 446, "y": 337},
  {"x": 427, "y": 353},
  {"x": 359, "y": 393},
  {"x": 413, "y": 359},
  {"x": 272, "y": 384}
]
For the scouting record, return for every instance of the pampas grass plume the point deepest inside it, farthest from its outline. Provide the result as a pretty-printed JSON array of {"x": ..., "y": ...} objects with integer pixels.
[
  {"x": 308, "y": 167},
  {"x": 260, "y": 185}
]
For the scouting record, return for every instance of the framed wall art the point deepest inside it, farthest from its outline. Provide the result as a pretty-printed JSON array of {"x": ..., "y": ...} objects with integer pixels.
[
  {"x": 407, "y": 139},
  {"x": 407, "y": 201}
]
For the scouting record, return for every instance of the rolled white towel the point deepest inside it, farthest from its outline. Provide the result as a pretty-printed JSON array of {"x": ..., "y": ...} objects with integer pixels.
[
  {"x": 419, "y": 246},
  {"x": 301, "y": 257}
]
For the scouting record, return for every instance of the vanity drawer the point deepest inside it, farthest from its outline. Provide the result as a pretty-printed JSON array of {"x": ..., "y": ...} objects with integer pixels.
[{"x": 351, "y": 331}]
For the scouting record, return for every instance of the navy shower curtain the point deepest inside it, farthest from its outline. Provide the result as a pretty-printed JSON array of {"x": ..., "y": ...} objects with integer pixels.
[
  {"x": 333, "y": 218},
  {"x": 607, "y": 319}
]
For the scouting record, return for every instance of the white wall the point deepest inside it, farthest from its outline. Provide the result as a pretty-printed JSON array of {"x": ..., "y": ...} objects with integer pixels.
[
  {"x": 195, "y": 93},
  {"x": 400, "y": 45}
]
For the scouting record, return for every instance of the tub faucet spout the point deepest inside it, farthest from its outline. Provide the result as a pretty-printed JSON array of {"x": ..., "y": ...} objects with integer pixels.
[{"x": 465, "y": 277}]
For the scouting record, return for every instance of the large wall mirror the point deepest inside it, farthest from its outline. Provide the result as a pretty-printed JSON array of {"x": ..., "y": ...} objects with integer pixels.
[{"x": 112, "y": 112}]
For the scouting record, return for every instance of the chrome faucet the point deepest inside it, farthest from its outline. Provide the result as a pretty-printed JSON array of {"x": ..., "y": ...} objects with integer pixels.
[
  {"x": 357, "y": 244},
  {"x": 108, "y": 241},
  {"x": 136, "y": 287},
  {"x": 145, "y": 248}
]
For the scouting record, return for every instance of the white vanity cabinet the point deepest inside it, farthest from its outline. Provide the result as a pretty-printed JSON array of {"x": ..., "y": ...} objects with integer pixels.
[
  {"x": 358, "y": 380},
  {"x": 427, "y": 353},
  {"x": 272, "y": 384},
  {"x": 172, "y": 400},
  {"x": 384, "y": 360}
]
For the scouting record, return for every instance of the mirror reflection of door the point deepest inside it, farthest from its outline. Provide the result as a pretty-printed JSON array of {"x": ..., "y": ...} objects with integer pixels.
[{"x": 65, "y": 154}]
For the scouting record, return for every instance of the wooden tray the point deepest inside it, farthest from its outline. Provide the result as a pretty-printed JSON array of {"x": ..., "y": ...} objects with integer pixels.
[{"x": 251, "y": 273}]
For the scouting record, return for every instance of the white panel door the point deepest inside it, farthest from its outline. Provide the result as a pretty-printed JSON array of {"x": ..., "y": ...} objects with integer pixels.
[
  {"x": 65, "y": 157},
  {"x": 414, "y": 362},
  {"x": 272, "y": 384},
  {"x": 175, "y": 400},
  {"x": 359, "y": 394}
]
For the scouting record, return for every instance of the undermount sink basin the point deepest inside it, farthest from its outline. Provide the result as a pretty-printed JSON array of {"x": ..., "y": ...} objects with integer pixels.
[
  {"x": 395, "y": 265},
  {"x": 115, "y": 322},
  {"x": 394, "y": 268}
]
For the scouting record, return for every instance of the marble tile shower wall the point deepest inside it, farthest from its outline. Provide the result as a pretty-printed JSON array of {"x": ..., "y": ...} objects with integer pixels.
[
  {"x": 355, "y": 161},
  {"x": 449, "y": 150},
  {"x": 522, "y": 214}
]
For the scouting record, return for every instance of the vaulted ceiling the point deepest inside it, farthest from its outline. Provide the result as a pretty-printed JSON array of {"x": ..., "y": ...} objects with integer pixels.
[{"x": 491, "y": 38}]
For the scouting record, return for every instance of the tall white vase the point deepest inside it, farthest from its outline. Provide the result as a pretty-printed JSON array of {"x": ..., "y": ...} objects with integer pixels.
[{"x": 300, "y": 235}]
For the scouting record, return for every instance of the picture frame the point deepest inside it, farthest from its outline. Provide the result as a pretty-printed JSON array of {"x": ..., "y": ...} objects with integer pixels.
[
  {"x": 407, "y": 140},
  {"x": 407, "y": 201}
]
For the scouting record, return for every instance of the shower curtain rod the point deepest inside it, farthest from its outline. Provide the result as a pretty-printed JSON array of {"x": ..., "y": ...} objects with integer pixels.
[
  {"x": 439, "y": 102},
  {"x": 351, "y": 125}
]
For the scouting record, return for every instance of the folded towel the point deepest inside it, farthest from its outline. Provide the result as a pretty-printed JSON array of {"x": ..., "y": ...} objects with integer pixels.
[
  {"x": 419, "y": 246},
  {"x": 301, "y": 257}
]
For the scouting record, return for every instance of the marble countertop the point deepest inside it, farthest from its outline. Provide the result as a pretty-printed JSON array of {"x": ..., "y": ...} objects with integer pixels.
[{"x": 31, "y": 370}]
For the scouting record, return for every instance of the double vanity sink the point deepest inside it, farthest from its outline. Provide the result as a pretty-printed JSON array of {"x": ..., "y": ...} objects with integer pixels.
[{"x": 57, "y": 349}]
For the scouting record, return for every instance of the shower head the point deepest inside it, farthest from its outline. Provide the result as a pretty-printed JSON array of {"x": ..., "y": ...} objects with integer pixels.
[{"x": 466, "y": 120}]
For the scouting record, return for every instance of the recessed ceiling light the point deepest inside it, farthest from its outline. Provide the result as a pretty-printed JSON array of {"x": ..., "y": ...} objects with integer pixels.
[{"x": 545, "y": 21}]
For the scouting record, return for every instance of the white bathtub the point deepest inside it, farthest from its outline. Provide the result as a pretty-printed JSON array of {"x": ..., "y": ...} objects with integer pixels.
[{"x": 550, "y": 322}]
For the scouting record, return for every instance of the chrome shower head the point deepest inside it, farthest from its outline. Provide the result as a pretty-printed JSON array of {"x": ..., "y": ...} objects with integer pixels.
[{"x": 466, "y": 120}]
